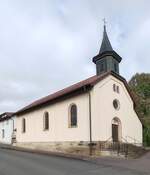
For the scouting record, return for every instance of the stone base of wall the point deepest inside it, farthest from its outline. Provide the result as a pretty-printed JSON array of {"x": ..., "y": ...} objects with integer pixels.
[
  {"x": 77, "y": 148},
  {"x": 68, "y": 147},
  {"x": 53, "y": 146},
  {"x": 84, "y": 148}
]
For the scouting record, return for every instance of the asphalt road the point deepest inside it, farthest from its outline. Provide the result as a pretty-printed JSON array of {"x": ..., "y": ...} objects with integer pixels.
[{"x": 21, "y": 163}]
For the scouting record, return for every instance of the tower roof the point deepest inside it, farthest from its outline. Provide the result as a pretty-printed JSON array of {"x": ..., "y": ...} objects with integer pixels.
[
  {"x": 106, "y": 49},
  {"x": 106, "y": 45}
]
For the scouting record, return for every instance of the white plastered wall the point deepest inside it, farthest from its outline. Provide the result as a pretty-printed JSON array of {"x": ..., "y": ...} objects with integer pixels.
[
  {"x": 7, "y": 126},
  {"x": 58, "y": 123},
  {"x": 103, "y": 112}
]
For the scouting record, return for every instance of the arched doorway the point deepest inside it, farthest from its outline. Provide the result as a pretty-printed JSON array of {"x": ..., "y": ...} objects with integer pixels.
[{"x": 116, "y": 130}]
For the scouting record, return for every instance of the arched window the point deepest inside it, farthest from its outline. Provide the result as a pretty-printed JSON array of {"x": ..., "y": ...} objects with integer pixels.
[
  {"x": 23, "y": 125},
  {"x": 114, "y": 87},
  {"x": 46, "y": 120},
  {"x": 73, "y": 115}
]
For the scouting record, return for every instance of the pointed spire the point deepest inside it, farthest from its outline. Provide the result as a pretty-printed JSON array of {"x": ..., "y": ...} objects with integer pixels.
[
  {"x": 106, "y": 45},
  {"x": 107, "y": 59}
]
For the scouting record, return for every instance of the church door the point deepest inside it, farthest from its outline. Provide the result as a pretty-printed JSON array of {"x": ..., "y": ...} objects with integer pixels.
[{"x": 115, "y": 135}]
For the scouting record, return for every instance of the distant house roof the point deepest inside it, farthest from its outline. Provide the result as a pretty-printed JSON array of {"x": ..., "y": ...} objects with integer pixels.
[
  {"x": 6, "y": 116},
  {"x": 75, "y": 89}
]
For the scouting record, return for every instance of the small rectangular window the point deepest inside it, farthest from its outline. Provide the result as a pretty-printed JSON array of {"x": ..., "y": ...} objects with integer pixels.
[
  {"x": 115, "y": 67},
  {"x": 102, "y": 67},
  {"x": 117, "y": 89},
  {"x": 3, "y": 133},
  {"x": 114, "y": 87}
]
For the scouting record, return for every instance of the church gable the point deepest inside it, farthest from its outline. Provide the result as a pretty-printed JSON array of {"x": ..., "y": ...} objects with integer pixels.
[
  {"x": 115, "y": 87},
  {"x": 111, "y": 100}
]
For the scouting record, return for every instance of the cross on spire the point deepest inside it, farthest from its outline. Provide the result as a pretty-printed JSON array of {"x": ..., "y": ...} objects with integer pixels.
[
  {"x": 106, "y": 45},
  {"x": 104, "y": 20}
]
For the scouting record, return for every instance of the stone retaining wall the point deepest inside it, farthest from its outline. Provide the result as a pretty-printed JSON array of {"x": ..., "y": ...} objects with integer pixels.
[
  {"x": 69, "y": 147},
  {"x": 83, "y": 148}
]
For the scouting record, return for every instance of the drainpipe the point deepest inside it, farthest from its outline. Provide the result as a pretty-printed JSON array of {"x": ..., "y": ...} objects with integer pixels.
[
  {"x": 86, "y": 89},
  {"x": 90, "y": 125},
  {"x": 13, "y": 129},
  {"x": 13, "y": 123}
]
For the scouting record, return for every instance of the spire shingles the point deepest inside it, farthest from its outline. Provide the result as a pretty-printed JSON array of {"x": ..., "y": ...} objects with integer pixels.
[{"x": 106, "y": 45}]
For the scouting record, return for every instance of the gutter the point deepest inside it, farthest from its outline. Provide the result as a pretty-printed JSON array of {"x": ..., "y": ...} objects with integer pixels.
[{"x": 62, "y": 97}]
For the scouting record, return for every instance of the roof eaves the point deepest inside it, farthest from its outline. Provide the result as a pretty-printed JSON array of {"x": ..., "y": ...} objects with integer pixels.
[{"x": 32, "y": 106}]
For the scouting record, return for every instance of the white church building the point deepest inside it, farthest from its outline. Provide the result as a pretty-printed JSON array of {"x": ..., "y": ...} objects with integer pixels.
[{"x": 97, "y": 109}]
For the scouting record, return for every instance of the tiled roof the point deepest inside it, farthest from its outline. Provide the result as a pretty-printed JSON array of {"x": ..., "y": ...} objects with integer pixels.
[
  {"x": 6, "y": 115},
  {"x": 78, "y": 86}
]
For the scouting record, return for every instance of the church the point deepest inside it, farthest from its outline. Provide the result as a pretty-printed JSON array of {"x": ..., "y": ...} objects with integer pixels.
[{"x": 96, "y": 109}]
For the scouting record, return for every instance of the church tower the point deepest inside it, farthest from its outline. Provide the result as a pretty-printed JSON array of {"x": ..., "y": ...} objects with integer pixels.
[{"x": 107, "y": 59}]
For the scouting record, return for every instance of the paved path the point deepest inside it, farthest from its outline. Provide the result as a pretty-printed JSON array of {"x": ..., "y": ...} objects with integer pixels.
[
  {"x": 21, "y": 163},
  {"x": 140, "y": 166}
]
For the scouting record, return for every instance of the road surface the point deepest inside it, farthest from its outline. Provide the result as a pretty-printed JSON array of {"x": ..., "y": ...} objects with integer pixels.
[{"x": 21, "y": 163}]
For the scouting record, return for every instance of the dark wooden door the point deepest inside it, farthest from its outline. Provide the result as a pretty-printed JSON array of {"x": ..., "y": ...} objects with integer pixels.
[{"x": 115, "y": 133}]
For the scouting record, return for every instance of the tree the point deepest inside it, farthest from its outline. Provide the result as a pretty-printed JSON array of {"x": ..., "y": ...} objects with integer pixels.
[{"x": 140, "y": 87}]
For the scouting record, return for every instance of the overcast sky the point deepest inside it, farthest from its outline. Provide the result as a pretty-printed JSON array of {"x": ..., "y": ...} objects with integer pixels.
[{"x": 46, "y": 45}]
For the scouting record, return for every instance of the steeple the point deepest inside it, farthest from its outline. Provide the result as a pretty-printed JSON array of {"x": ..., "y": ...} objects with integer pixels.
[
  {"x": 107, "y": 59},
  {"x": 106, "y": 45}
]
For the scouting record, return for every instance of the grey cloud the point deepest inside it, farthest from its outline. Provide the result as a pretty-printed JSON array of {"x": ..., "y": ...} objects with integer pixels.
[{"x": 47, "y": 45}]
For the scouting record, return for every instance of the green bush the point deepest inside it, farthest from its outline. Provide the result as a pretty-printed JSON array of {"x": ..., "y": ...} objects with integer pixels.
[{"x": 146, "y": 136}]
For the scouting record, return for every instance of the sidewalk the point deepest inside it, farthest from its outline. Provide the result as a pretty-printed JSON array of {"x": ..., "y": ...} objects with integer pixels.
[{"x": 141, "y": 164}]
